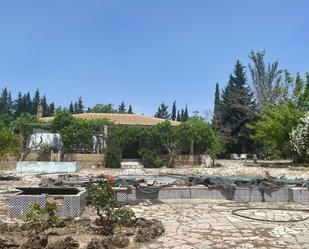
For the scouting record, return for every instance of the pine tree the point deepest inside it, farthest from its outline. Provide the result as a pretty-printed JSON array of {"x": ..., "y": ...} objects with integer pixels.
[
  {"x": 216, "y": 113},
  {"x": 236, "y": 109},
  {"x": 162, "y": 112},
  {"x": 130, "y": 110},
  {"x": 173, "y": 116},
  {"x": 6, "y": 102},
  {"x": 122, "y": 108}
]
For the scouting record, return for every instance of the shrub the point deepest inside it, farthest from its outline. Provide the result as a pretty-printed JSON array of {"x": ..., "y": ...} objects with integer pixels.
[
  {"x": 300, "y": 140},
  {"x": 150, "y": 158},
  {"x": 9, "y": 144},
  {"x": 125, "y": 216},
  {"x": 39, "y": 219},
  {"x": 102, "y": 197},
  {"x": 113, "y": 157}
]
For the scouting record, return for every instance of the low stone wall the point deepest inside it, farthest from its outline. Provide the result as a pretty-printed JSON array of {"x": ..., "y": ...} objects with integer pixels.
[
  {"x": 85, "y": 160},
  {"x": 7, "y": 165}
]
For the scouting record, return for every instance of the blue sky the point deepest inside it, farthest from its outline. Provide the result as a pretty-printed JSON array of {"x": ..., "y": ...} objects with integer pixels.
[{"x": 144, "y": 52}]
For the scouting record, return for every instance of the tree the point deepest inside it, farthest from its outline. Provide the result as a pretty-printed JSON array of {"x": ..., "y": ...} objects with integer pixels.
[
  {"x": 35, "y": 102},
  {"x": 51, "y": 109},
  {"x": 6, "y": 103},
  {"x": 303, "y": 100},
  {"x": 185, "y": 116},
  {"x": 79, "y": 106},
  {"x": 122, "y": 108},
  {"x": 164, "y": 135},
  {"x": 19, "y": 105},
  {"x": 178, "y": 116},
  {"x": 71, "y": 108},
  {"x": 216, "y": 114},
  {"x": 45, "y": 107},
  {"x": 300, "y": 140},
  {"x": 173, "y": 116},
  {"x": 196, "y": 131},
  {"x": 62, "y": 119},
  {"x": 102, "y": 108},
  {"x": 28, "y": 104},
  {"x": 273, "y": 128},
  {"x": 162, "y": 112},
  {"x": 130, "y": 110},
  {"x": 9, "y": 144},
  {"x": 266, "y": 80},
  {"x": 235, "y": 112}
]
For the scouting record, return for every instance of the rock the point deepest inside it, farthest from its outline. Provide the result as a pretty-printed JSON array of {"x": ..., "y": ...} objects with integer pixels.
[
  {"x": 8, "y": 244},
  {"x": 120, "y": 241},
  {"x": 3, "y": 227},
  {"x": 67, "y": 243},
  {"x": 148, "y": 229},
  {"x": 103, "y": 243},
  {"x": 37, "y": 242}
]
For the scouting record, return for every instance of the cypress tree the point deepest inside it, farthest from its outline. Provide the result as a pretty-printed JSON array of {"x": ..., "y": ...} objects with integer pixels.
[
  {"x": 178, "y": 116},
  {"x": 28, "y": 103},
  {"x": 182, "y": 114},
  {"x": 130, "y": 110},
  {"x": 173, "y": 116},
  {"x": 71, "y": 108},
  {"x": 76, "y": 110},
  {"x": 216, "y": 113},
  {"x": 185, "y": 115},
  {"x": 19, "y": 105},
  {"x": 45, "y": 107},
  {"x": 36, "y": 101},
  {"x": 51, "y": 109}
]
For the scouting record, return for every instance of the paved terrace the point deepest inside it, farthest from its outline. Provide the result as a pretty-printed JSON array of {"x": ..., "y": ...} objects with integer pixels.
[{"x": 203, "y": 224}]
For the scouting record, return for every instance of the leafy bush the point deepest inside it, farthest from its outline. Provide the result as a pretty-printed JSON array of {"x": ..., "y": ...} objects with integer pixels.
[
  {"x": 113, "y": 157},
  {"x": 76, "y": 133},
  {"x": 150, "y": 158},
  {"x": 274, "y": 126},
  {"x": 39, "y": 219},
  {"x": 9, "y": 144},
  {"x": 300, "y": 140},
  {"x": 125, "y": 216},
  {"x": 102, "y": 197}
]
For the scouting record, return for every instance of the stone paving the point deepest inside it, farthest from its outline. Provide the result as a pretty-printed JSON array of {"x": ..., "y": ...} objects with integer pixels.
[{"x": 203, "y": 224}]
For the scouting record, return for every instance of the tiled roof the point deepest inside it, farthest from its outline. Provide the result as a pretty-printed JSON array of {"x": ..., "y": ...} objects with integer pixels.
[{"x": 116, "y": 118}]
